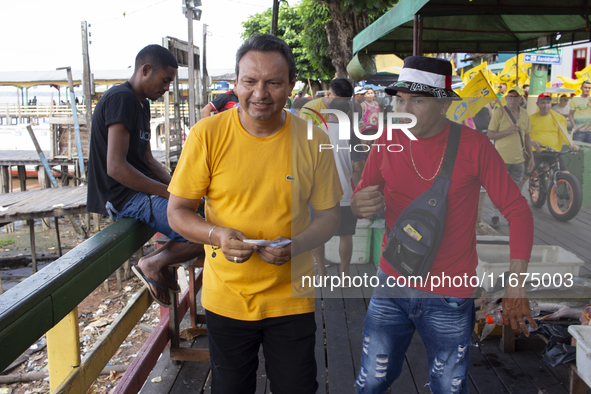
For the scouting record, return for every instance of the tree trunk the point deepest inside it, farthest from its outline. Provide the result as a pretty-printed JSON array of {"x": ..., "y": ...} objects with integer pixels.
[{"x": 341, "y": 31}]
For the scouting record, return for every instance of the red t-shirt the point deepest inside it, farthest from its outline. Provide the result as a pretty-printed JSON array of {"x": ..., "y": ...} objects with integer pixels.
[{"x": 477, "y": 163}]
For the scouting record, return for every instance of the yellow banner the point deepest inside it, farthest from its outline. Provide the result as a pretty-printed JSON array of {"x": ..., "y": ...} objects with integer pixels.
[
  {"x": 511, "y": 69},
  {"x": 476, "y": 94},
  {"x": 584, "y": 74},
  {"x": 473, "y": 71}
]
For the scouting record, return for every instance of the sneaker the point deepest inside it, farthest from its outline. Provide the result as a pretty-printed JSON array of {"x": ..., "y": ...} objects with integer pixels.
[{"x": 494, "y": 223}]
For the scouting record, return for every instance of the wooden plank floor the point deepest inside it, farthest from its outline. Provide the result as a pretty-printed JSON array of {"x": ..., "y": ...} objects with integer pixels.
[
  {"x": 574, "y": 235},
  {"x": 338, "y": 355},
  {"x": 340, "y": 315}
]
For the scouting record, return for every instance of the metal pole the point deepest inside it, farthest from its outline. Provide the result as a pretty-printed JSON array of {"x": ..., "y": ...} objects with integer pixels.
[
  {"x": 191, "y": 70},
  {"x": 205, "y": 81},
  {"x": 86, "y": 77},
  {"x": 275, "y": 17},
  {"x": 76, "y": 124},
  {"x": 415, "y": 36}
]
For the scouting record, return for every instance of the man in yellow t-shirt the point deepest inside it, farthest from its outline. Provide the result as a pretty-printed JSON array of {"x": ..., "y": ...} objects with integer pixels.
[
  {"x": 259, "y": 173},
  {"x": 580, "y": 114},
  {"x": 545, "y": 130},
  {"x": 509, "y": 139},
  {"x": 339, "y": 87}
]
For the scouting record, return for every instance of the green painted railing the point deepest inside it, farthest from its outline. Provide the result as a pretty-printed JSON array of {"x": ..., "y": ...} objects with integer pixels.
[{"x": 34, "y": 306}]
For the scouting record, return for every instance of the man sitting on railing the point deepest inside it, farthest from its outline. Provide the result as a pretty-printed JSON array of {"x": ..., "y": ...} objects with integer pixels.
[{"x": 124, "y": 179}]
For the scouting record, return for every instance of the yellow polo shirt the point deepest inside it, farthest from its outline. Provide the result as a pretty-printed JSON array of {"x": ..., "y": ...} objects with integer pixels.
[
  {"x": 509, "y": 147},
  {"x": 262, "y": 187}
]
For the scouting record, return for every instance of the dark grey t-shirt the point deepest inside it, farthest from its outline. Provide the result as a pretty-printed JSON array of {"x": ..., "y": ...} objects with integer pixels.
[{"x": 118, "y": 105}]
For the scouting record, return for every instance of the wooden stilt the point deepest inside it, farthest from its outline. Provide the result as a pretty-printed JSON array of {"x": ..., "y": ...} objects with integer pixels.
[
  {"x": 96, "y": 217},
  {"x": 59, "y": 241},
  {"x": 33, "y": 250},
  {"x": 118, "y": 274}
]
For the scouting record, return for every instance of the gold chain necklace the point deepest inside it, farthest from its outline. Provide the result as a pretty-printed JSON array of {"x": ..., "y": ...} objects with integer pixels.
[{"x": 438, "y": 168}]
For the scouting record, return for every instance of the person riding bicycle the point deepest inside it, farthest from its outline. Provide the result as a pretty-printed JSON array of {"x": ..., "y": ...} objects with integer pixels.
[{"x": 546, "y": 130}]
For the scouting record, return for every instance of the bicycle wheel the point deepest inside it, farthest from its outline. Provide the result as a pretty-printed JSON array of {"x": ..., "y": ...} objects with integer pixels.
[
  {"x": 537, "y": 190},
  {"x": 564, "y": 200}
]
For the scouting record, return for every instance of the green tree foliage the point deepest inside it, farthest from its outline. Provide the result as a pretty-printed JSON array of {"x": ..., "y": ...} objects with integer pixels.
[
  {"x": 314, "y": 16},
  {"x": 291, "y": 29},
  {"x": 305, "y": 25}
]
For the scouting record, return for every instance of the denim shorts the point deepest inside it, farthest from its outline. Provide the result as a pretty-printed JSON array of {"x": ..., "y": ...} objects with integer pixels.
[
  {"x": 150, "y": 210},
  {"x": 445, "y": 325}
]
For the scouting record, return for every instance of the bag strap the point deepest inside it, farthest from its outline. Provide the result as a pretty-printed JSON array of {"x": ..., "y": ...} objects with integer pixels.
[
  {"x": 455, "y": 130},
  {"x": 515, "y": 123}
]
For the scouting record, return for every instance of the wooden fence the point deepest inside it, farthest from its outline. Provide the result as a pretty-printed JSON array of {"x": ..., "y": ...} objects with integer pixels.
[
  {"x": 8, "y": 111},
  {"x": 46, "y": 300}
]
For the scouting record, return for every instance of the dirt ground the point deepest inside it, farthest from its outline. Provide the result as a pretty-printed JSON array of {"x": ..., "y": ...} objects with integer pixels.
[{"x": 95, "y": 313}]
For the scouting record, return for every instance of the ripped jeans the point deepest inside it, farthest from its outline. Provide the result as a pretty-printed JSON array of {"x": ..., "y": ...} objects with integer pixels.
[{"x": 445, "y": 325}]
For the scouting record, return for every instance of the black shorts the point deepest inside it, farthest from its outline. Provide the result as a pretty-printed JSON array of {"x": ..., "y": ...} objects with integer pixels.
[{"x": 348, "y": 222}]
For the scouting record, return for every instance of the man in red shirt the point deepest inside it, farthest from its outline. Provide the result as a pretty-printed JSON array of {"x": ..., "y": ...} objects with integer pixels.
[
  {"x": 221, "y": 103},
  {"x": 441, "y": 310}
]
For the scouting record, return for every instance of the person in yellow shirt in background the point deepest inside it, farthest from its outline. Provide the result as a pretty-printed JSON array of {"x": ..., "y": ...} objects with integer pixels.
[
  {"x": 510, "y": 140},
  {"x": 545, "y": 130},
  {"x": 339, "y": 87},
  {"x": 580, "y": 114},
  {"x": 259, "y": 173}
]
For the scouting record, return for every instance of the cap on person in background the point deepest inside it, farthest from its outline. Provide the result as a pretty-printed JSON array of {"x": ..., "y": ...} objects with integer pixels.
[{"x": 515, "y": 89}]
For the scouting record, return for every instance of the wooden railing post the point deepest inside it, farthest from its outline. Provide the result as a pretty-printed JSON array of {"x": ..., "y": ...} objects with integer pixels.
[{"x": 63, "y": 349}]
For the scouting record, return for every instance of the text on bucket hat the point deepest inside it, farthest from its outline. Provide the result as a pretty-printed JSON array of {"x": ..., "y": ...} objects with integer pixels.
[
  {"x": 429, "y": 75},
  {"x": 544, "y": 95}
]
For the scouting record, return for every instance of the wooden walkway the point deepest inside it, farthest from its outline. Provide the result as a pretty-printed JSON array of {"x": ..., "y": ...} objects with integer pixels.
[
  {"x": 340, "y": 318},
  {"x": 574, "y": 235}
]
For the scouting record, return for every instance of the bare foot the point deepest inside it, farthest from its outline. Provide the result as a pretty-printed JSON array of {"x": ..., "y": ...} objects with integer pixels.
[{"x": 160, "y": 275}]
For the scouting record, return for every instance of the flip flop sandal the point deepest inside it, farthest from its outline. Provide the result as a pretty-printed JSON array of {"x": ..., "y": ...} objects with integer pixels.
[
  {"x": 147, "y": 281},
  {"x": 171, "y": 279}
]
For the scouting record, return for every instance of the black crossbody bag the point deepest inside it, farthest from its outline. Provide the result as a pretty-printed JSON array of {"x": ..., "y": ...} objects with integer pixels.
[{"x": 415, "y": 237}]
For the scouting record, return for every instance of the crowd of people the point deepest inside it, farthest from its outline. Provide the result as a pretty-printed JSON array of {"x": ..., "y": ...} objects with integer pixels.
[{"x": 272, "y": 199}]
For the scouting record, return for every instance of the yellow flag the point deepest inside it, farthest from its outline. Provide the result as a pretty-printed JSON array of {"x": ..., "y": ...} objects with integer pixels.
[
  {"x": 476, "y": 94},
  {"x": 511, "y": 70},
  {"x": 584, "y": 74},
  {"x": 453, "y": 67},
  {"x": 570, "y": 83},
  {"x": 472, "y": 72}
]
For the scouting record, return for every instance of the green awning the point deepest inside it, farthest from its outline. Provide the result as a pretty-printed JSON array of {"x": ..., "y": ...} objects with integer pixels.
[{"x": 478, "y": 26}]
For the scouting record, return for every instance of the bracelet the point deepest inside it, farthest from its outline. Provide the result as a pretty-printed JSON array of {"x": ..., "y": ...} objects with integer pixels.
[{"x": 211, "y": 231}]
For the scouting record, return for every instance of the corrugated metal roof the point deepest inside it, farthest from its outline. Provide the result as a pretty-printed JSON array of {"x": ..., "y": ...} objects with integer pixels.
[{"x": 26, "y": 79}]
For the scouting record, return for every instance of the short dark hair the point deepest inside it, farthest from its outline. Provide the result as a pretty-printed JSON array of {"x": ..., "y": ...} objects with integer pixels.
[
  {"x": 341, "y": 87},
  {"x": 584, "y": 82},
  {"x": 503, "y": 83},
  {"x": 156, "y": 56},
  {"x": 267, "y": 43}
]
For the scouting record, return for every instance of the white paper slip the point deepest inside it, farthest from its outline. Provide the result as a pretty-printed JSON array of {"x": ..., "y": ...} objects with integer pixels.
[
  {"x": 264, "y": 242},
  {"x": 259, "y": 242}
]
